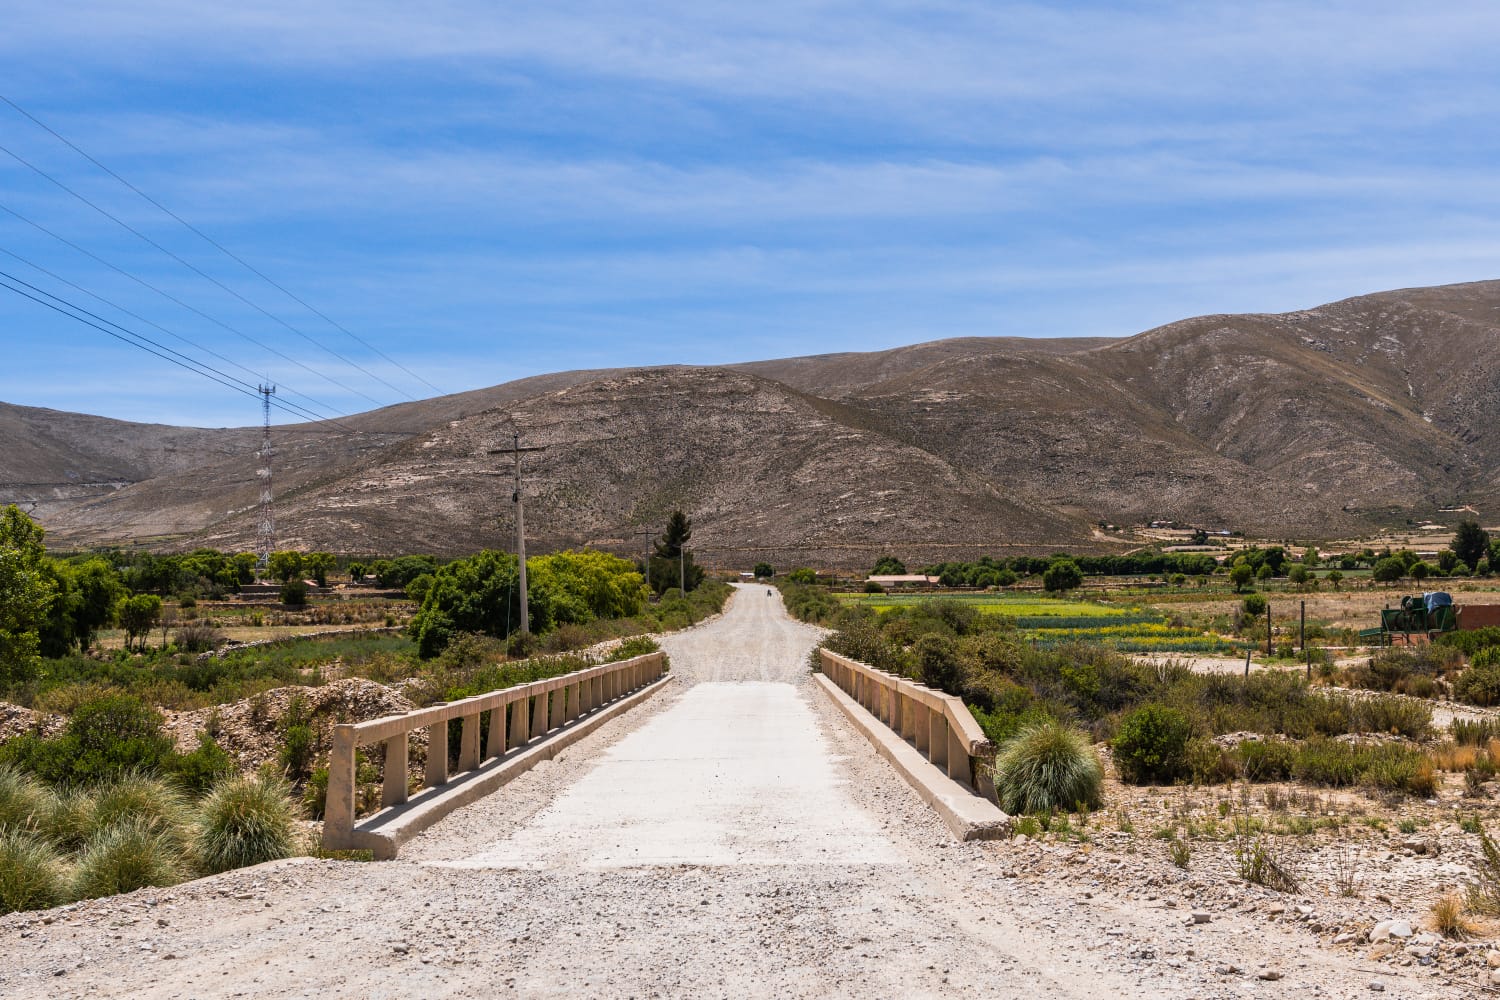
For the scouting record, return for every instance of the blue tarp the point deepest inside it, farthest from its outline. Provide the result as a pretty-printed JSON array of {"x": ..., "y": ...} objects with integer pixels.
[{"x": 1437, "y": 599}]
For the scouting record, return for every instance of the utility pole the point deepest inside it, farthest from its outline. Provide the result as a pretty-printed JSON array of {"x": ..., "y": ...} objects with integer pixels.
[
  {"x": 524, "y": 626},
  {"x": 266, "y": 534}
]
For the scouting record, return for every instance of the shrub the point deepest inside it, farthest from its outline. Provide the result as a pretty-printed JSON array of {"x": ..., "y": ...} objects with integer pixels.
[
  {"x": 294, "y": 593},
  {"x": 245, "y": 821},
  {"x": 24, "y": 806},
  {"x": 124, "y": 857},
  {"x": 1209, "y": 764},
  {"x": 298, "y": 739},
  {"x": 199, "y": 771},
  {"x": 1474, "y": 732},
  {"x": 1399, "y": 716},
  {"x": 1450, "y": 919},
  {"x": 198, "y": 638},
  {"x": 1327, "y": 762},
  {"x": 1151, "y": 745},
  {"x": 1397, "y": 768},
  {"x": 106, "y": 737},
  {"x": 1048, "y": 766},
  {"x": 31, "y": 873},
  {"x": 1253, "y": 606},
  {"x": 937, "y": 662},
  {"x": 871, "y": 587},
  {"x": 637, "y": 645},
  {"x": 1267, "y": 760},
  {"x": 1480, "y": 683}
]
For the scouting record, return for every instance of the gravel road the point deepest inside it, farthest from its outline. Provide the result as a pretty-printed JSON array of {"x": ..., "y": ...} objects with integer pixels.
[{"x": 793, "y": 863}]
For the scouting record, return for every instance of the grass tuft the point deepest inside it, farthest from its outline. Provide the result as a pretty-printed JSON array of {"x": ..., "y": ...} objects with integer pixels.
[
  {"x": 245, "y": 821},
  {"x": 1450, "y": 918},
  {"x": 126, "y": 856},
  {"x": 31, "y": 873},
  {"x": 154, "y": 803},
  {"x": 1048, "y": 766},
  {"x": 24, "y": 804}
]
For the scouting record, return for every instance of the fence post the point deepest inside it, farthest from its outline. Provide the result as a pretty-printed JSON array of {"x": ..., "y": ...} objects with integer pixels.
[
  {"x": 468, "y": 743},
  {"x": 539, "y": 713},
  {"x": 495, "y": 745},
  {"x": 937, "y": 749},
  {"x": 437, "y": 754},
  {"x": 393, "y": 790},
  {"x": 520, "y": 721},
  {"x": 338, "y": 813}
]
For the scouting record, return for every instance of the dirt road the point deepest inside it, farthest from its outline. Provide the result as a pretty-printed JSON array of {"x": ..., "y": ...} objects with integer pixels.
[{"x": 778, "y": 856}]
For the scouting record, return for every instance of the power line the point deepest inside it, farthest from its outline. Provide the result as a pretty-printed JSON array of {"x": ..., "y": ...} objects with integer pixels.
[
  {"x": 177, "y": 336},
  {"x": 192, "y": 309},
  {"x": 201, "y": 273},
  {"x": 216, "y": 244},
  {"x": 100, "y": 323}
]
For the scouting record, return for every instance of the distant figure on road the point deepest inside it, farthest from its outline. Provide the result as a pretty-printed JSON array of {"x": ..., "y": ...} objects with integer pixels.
[{"x": 768, "y": 593}]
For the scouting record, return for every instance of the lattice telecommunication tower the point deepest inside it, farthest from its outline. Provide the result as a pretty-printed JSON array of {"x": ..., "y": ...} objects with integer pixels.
[{"x": 266, "y": 536}]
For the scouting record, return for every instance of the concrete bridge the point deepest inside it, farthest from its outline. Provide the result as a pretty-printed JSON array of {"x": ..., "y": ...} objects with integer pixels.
[{"x": 734, "y": 834}]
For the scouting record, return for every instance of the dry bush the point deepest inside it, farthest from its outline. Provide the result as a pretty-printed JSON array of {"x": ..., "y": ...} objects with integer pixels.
[{"x": 1450, "y": 919}]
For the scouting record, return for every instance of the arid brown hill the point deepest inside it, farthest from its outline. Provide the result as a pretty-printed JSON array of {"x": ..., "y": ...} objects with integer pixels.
[{"x": 1303, "y": 424}]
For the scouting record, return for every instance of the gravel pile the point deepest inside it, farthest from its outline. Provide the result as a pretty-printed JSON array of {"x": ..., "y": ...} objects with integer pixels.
[
  {"x": 15, "y": 721},
  {"x": 251, "y": 729}
]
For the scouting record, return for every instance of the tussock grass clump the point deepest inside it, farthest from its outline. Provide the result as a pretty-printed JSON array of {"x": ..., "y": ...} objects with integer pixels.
[
  {"x": 31, "y": 873},
  {"x": 23, "y": 803},
  {"x": 1048, "y": 766},
  {"x": 126, "y": 856},
  {"x": 245, "y": 821},
  {"x": 1474, "y": 732},
  {"x": 1449, "y": 918},
  {"x": 70, "y": 821},
  {"x": 154, "y": 803}
]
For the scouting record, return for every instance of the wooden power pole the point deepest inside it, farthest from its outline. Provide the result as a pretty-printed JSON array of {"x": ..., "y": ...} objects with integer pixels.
[{"x": 515, "y": 450}]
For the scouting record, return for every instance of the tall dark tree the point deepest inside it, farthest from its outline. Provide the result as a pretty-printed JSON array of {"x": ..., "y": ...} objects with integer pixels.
[
  {"x": 671, "y": 568},
  {"x": 1470, "y": 542},
  {"x": 679, "y": 533}
]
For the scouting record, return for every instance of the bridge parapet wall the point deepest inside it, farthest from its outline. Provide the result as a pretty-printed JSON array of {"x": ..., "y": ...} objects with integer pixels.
[
  {"x": 937, "y": 724},
  {"x": 520, "y": 719}
]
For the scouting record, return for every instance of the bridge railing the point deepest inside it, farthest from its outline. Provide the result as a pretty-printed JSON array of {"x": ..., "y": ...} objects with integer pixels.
[
  {"x": 937, "y": 724},
  {"x": 517, "y": 716}
]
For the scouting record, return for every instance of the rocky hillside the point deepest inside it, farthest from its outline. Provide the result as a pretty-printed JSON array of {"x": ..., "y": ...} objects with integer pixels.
[{"x": 1306, "y": 424}]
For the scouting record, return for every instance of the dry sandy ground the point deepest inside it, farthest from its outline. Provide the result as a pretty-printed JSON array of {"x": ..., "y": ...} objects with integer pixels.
[{"x": 530, "y": 893}]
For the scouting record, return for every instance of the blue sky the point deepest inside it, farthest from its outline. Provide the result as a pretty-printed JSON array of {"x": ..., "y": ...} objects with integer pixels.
[{"x": 484, "y": 191}]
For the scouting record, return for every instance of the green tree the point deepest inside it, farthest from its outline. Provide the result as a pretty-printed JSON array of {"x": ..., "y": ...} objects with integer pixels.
[
  {"x": 138, "y": 615},
  {"x": 318, "y": 564},
  {"x": 888, "y": 566},
  {"x": 1471, "y": 543},
  {"x": 670, "y": 567},
  {"x": 1420, "y": 570},
  {"x": 1388, "y": 570},
  {"x": 1062, "y": 575},
  {"x": 804, "y": 575},
  {"x": 1240, "y": 575},
  {"x": 1265, "y": 572},
  {"x": 285, "y": 564},
  {"x": 679, "y": 532},
  {"x": 763, "y": 571},
  {"x": 1335, "y": 578},
  {"x": 1298, "y": 575},
  {"x": 26, "y": 594}
]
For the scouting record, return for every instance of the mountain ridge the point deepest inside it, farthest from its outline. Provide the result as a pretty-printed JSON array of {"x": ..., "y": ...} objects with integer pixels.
[{"x": 1312, "y": 423}]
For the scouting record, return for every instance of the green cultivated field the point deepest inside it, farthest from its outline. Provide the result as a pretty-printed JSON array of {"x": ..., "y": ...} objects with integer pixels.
[{"x": 1049, "y": 621}]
